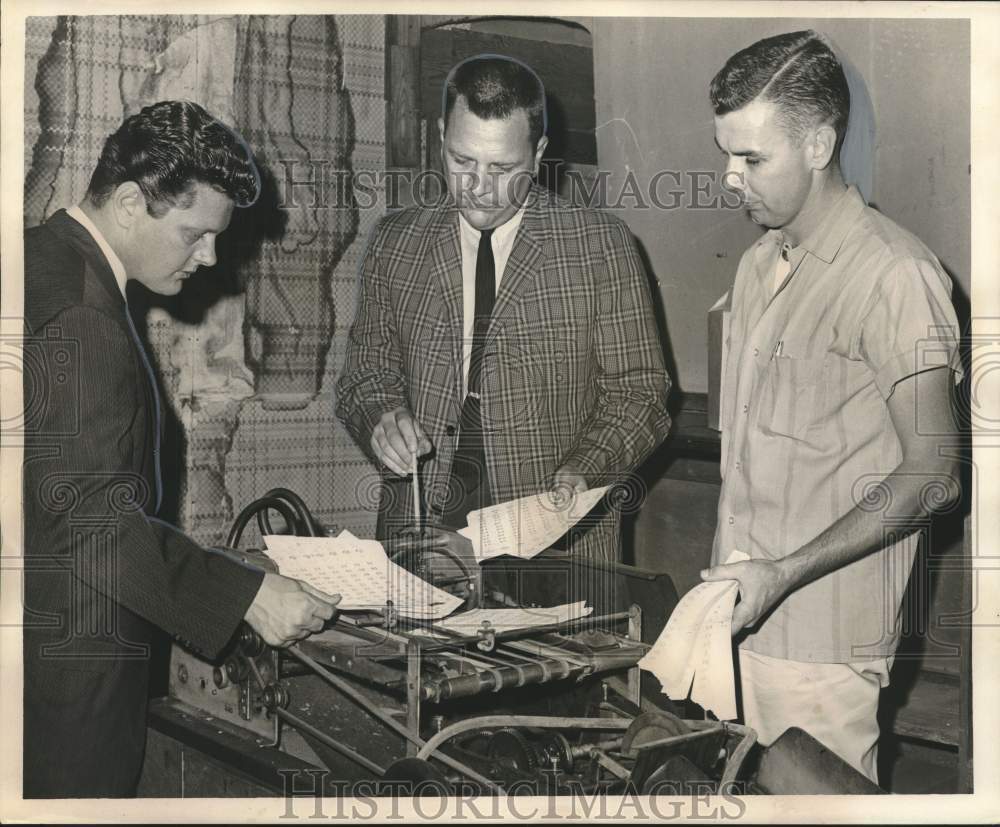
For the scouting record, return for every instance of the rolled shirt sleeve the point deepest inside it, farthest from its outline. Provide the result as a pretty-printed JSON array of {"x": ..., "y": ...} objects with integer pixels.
[{"x": 910, "y": 326}]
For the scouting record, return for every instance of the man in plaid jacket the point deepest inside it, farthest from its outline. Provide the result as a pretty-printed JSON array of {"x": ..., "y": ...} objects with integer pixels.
[{"x": 504, "y": 336}]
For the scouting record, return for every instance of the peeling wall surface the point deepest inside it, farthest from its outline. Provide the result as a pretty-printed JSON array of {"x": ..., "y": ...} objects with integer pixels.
[{"x": 247, "y": 353}]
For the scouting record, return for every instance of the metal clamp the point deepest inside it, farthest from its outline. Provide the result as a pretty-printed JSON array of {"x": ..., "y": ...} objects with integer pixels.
[
  {"x": 487, "y": 637},
  {"x": 391, "y": 615}
]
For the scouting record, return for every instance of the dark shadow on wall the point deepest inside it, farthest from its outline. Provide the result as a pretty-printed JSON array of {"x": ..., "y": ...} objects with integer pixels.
[
  {"x": 652, "y": 469},
  {"x": 236, "y": 251},
  {"x": 938, "y": 596},
  {"x": 553, "y": 164},
  {"x": 660, "y": 314}
]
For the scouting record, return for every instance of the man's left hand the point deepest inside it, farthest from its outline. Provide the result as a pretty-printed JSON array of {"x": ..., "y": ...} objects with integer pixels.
[
  {"x": 762, "y": 585},
  {"x": 440, "y": 547},
  {"x": 566, "y": 482}
]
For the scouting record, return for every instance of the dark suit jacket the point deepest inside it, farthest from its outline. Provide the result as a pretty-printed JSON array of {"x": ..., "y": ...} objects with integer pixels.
[
  {"x": 101, "y": 572},
  {"x": 572, "y": 372}
]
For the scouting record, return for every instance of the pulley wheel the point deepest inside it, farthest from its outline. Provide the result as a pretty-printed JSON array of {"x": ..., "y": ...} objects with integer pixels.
[{"x": 651, "y": 726}]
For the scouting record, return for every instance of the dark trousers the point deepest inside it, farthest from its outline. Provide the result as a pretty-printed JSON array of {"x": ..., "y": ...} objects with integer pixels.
[
  {"x": 468, "y": 486},
  {"x": 84, "y": 731},
  {"x": 469, "y": 489}
]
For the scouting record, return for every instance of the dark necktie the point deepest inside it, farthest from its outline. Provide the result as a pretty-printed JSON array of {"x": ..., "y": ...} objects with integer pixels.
[
  {"x": 486, "y": 281},
  {"x": 156, "y": 409}
]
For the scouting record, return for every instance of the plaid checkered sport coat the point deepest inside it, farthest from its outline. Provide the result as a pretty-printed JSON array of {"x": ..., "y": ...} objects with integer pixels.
[{"x": 572, "y": 371}]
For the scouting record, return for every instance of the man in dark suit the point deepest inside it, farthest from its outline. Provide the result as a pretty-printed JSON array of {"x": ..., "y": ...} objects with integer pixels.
[
  {"x": 504, "y": 335},
  {"x": 101, "y": 570}
]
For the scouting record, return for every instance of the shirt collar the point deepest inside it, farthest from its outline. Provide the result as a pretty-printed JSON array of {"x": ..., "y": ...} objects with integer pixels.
[
  {"x": 78, "y": 215},
  {"x": 502, "y": 234},
  {"x": 826, "y": 239}
]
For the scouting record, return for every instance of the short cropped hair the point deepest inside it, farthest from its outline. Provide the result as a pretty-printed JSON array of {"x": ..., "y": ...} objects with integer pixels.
[
  {"x": 166, "y": 149},
  {"x": 494, "y": 86},
  {"x": 798, "y": 72}
]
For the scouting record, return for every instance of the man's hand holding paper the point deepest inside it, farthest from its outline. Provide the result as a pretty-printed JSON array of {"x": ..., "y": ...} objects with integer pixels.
[
  {"x": 526, "y": 526},
  {"x": 762, "y": 585},
  {"x": 694, "y": 652}
]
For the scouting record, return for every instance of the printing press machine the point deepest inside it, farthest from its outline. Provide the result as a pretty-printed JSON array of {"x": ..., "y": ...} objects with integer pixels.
[{"x": 408, "y": 706}]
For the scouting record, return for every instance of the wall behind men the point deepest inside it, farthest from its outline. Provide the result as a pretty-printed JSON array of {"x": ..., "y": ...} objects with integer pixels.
[{"x": 653, "y": 114}]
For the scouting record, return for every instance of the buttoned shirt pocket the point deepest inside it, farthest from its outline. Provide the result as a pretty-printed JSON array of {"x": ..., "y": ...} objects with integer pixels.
[{"x": 791, "y": 397}]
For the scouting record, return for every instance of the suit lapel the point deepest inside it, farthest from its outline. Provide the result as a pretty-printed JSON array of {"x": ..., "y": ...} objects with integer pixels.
[
  {"x": 84, "y": 242},
  {"x": 77, "y": 235},
  {"x": 523, "y": 263},
  {"x": 446, "y": 272}
]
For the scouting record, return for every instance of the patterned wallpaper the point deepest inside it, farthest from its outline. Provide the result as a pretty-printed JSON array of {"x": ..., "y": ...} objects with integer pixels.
[{"x": 248, "y": 353}]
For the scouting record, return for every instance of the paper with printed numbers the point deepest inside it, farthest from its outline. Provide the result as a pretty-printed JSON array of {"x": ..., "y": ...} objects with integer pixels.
[
  {"x": 526, "y": 526},
  {"x": 694, "y": 652},
  {"x": 507, "y": 620},
  {"x": 360, "y": 572}
]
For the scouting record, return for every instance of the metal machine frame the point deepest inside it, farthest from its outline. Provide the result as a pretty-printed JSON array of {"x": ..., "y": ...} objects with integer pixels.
[{"x": 393, "y": 667}]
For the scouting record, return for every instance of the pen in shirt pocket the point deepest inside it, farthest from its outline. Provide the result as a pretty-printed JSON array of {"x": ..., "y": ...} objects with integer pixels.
[{"x": 777, "y": 349}]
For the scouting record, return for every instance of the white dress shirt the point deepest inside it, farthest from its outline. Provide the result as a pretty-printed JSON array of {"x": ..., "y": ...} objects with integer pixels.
[
  {"x": 80, "y": 217},
  {"x": 502, "y": 242}
]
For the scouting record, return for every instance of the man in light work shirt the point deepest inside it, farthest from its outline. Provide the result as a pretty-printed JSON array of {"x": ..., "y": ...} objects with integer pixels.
[{"x": 836, "y": 400}]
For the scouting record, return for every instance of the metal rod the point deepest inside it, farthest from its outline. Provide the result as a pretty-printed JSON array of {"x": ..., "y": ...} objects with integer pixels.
[
  {"x": 393, "y": 724},
  {"x": 497, "y": 678},
  {"x": 413, "y": 691},
  {"x": 671, "y": 740},
  {"x": 293, "y": 670},
  {"x": 356, "y": 696},
  {"x": 456, "y": 638},
  {"x": 634, "y": 633},
  {"x": 735, "y": 762},
  {"x": 456, "y": 765},
  {"x": 319, "y": 735},
  {"x": 542, "y": 722},
  {"x": 609, "y": 763},
  {"x": 323, "y": 738},
  {"x": 416, "y": 492}
]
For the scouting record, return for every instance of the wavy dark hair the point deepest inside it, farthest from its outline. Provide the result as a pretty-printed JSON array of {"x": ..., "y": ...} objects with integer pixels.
[
  {"x": 166, "y": 149},
  {"x": 798, "y": 72},
  {"x": 494, "y": 86}
]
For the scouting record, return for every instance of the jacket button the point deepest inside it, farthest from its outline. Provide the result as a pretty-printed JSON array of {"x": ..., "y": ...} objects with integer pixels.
[{"x": 450, "y": 430}]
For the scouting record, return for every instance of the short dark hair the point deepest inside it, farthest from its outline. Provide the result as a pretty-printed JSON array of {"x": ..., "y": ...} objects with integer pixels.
[
  {"x": 798, "y": 72},
  {"x": 166, "y": 149},
  {"x": 494, "y": 86}
]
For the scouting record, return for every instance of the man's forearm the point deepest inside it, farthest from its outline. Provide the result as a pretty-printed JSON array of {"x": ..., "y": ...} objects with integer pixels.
[
  {"x": 861, "y": 531},
  {"x": 611, "y": 449},
  {"x": 630, "y": 422}
]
